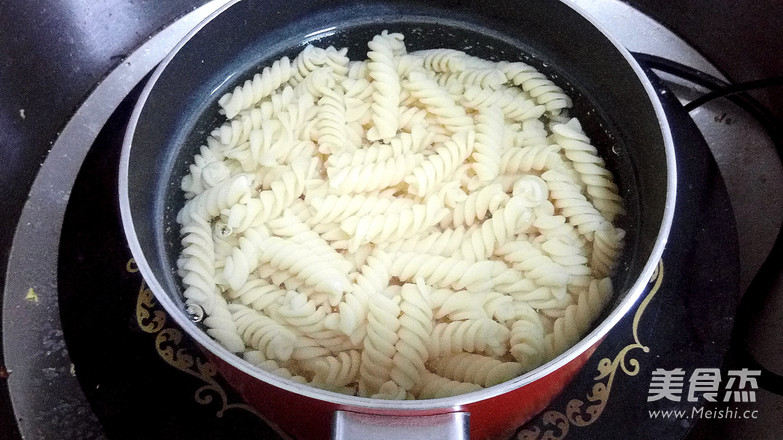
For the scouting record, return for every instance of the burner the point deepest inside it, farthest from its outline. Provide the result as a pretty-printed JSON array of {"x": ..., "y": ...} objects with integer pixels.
[{"x": 132, "y": 362}]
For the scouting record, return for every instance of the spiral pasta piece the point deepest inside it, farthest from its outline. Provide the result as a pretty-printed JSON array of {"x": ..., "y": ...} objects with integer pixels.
[
  {"x": 444, "y": 243},
  {"x": 416, "y": 325},
  {"x": 307, "y": 349},
  {"x": 532, "y": 158},
  {"x": 236, "y": 131},
  {"x": 373, "y": 277},
  {"x": 437, "y": 387},
  {"x": 489, "y": 77},
  {"x": 437, "y": 101},
  {"x": 572, "y": 203},
  {"x": 196, "y": 262},
  {"x": 253, "y": 91},
  {"x": 598, "y": 181},
  {"x": 331, "y": 122},
  {"x": 489, "y": 142},
  {"x": 337, "y": 208},
  {"x": 395, "y": 226},
  {"x": 505, "y": 224},
  {"x": 541, "y": 88},
  {"x": 578, "y": 317},
  {"x": 301, "y": 313},
  {"x": 386, "y": 86},
  {"x": 514, "y": 104},
  {"x": 445, "y": 271},
  {"x": 443, "y": 60},
  {"x": 572, "y": 255},
  {"x": 607, "y": 245},
  {"x": 527, "y": 339},
  {"x": 475, "y": 368},
  {"x": 209, "y": 203},
  {"x": 373, "y": 176},
  {"x": 372, "y": 154},
  {"x": 534, "y": 263},
  {"x": 476, "y": 206},
  {"x": 258, "y": 248},
  {"x": 379, "y": 344},
  {"x": 463, "y": 305},
  {"x": 270, "y": 203},
  {"x": 256, "y": 293},
  {"x": 258, "y": 359},
  {"x": 335, "y": 371},
  {"x": 391, "y": 390},
  {"x": 308, "y": 60},
  {"x": 257, "y": 149},
  {"x": 289, "y": 226},
  {"x": 474, "y": 335},
  {"x": 437, "y": 167},
  {"x": 194, "y": 182},
  {"x": 262, "y": 333}
]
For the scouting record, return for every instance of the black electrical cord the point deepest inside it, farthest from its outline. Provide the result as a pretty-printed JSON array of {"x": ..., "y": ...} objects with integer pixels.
[
  {"x": 770, "y": 123},
  {"x": 769, "y": 275},
  {"x": 732, "y": 89},
  {"x": 683, "y": 71}
]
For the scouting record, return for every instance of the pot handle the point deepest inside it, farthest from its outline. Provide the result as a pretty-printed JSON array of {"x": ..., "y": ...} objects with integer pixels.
[{"x": 352, "y": 425}]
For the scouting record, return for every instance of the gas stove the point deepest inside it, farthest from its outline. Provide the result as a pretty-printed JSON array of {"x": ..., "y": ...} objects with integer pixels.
[{"x": 87, "y": 353}]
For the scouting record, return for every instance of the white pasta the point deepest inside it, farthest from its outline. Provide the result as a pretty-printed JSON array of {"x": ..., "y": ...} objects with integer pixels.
[
  {"x": 476, "y": 206},
  {"x": 505, "y": 224},
  {"x": 436, "y": 387},
  {"x": 462, "y": 305},
  {"x": 489, "y": 141},
  {"x": 379, "y": 344},
  {"x": 274, "y": 340},
  {"x": 335, "y": 371},
  {"x": 527, "y": 338},
  {"x": 569, "y": 198},
  {"x": 577, "y": 318},
  {"x": 331, "y": 122},
  {"x": 541, "y": 88},
  {"x": 438, "y": 102},
  {"x": 386, "y": 85},
  {"x": 515, "y": 104},
  {"x": 408, "y": 226},
  {"x": 599, "y": 185},
  {"x": 405, "y": 223},
  {"x": 437, "y": 167},
  {"x": 261, "y": 86},
  {"x": 473, "y": 335},
  {"x": 475, "y": 368},
  {"x": 416, "y": 325}
]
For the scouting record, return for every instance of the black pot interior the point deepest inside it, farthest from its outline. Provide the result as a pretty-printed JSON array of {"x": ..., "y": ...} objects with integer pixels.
[{"x": 181, "y": 108}]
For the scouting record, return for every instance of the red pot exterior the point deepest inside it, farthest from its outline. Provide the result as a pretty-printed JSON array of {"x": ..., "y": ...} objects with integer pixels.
[{"x": 306, "y": 418}]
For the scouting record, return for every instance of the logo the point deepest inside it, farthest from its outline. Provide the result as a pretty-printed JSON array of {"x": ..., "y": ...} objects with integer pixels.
[{"x": 706, "y": 385}]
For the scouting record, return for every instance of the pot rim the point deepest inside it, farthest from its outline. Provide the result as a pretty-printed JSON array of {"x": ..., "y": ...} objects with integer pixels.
[{"x": 453, "y": 403}]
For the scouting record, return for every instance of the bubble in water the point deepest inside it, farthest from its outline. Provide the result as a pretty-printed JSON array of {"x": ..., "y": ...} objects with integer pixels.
[
  {"x": 616, "y": 150},
  {"x": 223, "y": 229},
  {"x": 195, "y": 312}
]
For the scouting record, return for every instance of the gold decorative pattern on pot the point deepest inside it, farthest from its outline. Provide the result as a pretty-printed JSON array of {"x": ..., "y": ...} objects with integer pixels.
[
  {"x": 168, "y": 342},
  {"x": 555, "y": 425},
  {"x": 149, "y": 319}
]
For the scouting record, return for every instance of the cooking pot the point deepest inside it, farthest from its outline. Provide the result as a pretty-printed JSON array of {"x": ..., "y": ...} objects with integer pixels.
[{"x": 613, "y": 98}]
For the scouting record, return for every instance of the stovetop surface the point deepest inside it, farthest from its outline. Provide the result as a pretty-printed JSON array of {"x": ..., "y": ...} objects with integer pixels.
[
  {"x": 47, "y": 74},
  {"x": 132, "y": 364}
]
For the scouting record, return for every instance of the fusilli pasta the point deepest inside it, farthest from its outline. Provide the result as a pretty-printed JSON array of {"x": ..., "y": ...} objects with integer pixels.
[{"x": 413, "y": 225}]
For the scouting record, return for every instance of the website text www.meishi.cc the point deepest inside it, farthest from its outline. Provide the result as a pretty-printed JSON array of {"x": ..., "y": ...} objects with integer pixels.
[{"x": 702, "y": 412}]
